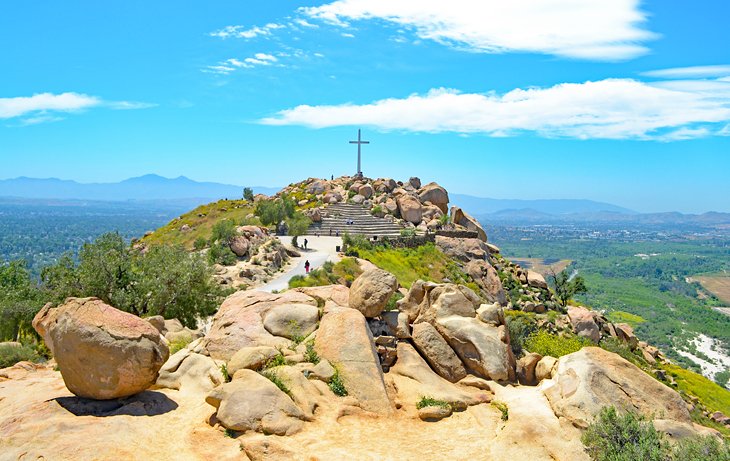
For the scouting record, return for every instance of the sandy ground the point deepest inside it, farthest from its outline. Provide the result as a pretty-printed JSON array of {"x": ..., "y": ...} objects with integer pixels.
[
  {"x": 41, "y": 420},
  {"x": 319, "y": 250}
]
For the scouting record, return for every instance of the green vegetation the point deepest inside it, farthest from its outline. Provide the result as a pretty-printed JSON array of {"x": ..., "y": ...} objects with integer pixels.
[
  {"x": 625, "y": 317},
  {"x": 342, "y": 273},
  {"x": 723, "y": 378},
  {"x": 279, "y": 360},
  {"x": 166, "y": 281},
  {"x": 544, "y": 343},
  {"x": 273, "y": 211},
  {"x": 224, "y": 372},
  {"x": 200, "y": 222},
  {"x": 566, "y": 287},
  {"x": 310, "y": 355},
  {"x": 710, "y": 394},
  {"x": 629, "y": 437},
  {"x": 230, "y": 433},
  {"x": 503, "y": 408},
  {"x": 20, "y": 300},
  {"x": 274, "y": 378},
  {"x": 248, "y": 194},
  {"x": 431, "y": 402},
  {"x": 337, "y": 385},
  {"x": 426, "y": 262},
  {"x": 520, "y": 325},
  {"x": 10, "y": 355},
  {"x": 180, "y": 344}
]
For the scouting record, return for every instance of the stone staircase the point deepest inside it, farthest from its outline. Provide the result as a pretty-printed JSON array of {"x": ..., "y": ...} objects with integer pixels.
[{"x": 338, "y": 214}]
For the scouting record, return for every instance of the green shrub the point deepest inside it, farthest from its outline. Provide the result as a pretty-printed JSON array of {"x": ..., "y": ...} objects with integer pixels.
[
  {"x": 274, "y": 378},
  {"x": 10, "y": 355},
  {"x": 520, "y": 325},
  {"x": 200, "y": 243},
  {"x": 336, "y": 384},
  {"x": 431, "y": 402},
  {"x": 619, "y": 347},
  {"x": 408, "y": 232},
  {"x": 224, "y": 372},
  {"x": 627, "y": 437},
  {"x": 702, "y": 449},
  {"x": 278, "y": 360},
  {"x": 503, "y": 408},
  {"x": 392, "y": 304},
  {"x": 544, "y": 343},
  {"x": 377, "y": 209},
  {"x": 248, "y": 194},
  {"x": 223, "y": 231},
  {"x": 310, "y": 355},
  {"x": 180, "y": 344},
  {"x": 221, "y": 253},
  {"x": 298, "y": 224}
]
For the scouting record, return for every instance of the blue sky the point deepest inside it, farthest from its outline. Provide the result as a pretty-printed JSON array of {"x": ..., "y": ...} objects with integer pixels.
[{"x": 622, "y": 101}]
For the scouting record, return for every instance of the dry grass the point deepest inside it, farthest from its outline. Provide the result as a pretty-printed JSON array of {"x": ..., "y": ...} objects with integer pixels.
[{"x": 718, "y": 285}]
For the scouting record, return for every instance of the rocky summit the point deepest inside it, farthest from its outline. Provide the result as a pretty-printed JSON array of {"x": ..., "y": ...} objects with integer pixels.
[{"x": 364, "y": 359}]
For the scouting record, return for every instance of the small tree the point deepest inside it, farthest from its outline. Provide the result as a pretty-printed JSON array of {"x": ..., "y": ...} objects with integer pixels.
[
  {"x": 248, "y": 194},
  {"x": 566, "y": 286},
  {"x": 624, "y": 437}
]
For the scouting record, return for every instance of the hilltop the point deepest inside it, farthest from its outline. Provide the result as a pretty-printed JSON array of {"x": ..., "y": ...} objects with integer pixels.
[{"x": 425, "y": 343}]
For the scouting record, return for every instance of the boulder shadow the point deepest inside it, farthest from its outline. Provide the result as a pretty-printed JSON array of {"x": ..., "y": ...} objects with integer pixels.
[{"x": 147, "y": 403}]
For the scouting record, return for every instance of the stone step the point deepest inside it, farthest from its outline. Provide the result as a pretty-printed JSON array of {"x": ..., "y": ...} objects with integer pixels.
[{"x": 365, "y": 223}]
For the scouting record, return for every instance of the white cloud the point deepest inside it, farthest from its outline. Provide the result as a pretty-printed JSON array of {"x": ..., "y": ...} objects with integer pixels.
[
  {"x": 602, "y": 30},
  {"x": 690, "y": 72},
  {"x": 44, "y": 107},
  {"x": 243, "y": 32},
  {"x": 305, "y": 23},
  {"x": 605, "y": 109}
]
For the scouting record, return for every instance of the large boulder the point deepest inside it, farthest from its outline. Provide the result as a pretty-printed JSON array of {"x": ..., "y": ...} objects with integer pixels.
[
  {"x": 191, "y": 372},
  {"x": 447, "y": 300},
  {"x": 626, "y": 334},
  {"x": 535, "y": 279},
  {"x": 371, "y": 291},
  {"x": 584, "y": 323},
  {"x": 462, "y": 218},
  {"x": 437, "y": 352},
  {"x": 239, "y": 322},
  {"x": 488, "y": 280},
  {"x": 593, "y": 378},
  {"x": 251, "y": 402},
  {"x": 292, "y": 321},
  {"x": 411, "y": 303},
  {"x": 410, "y": 209},
  {"x": 239, "y": 245},
  {"x": 526, "y": 369},
  {"x": 465, "y": 250},
  {"x": 414, "y": 380},
  {"x": 102, "y": 352},
  {"x": 435, "y": 194},
  {"x": 344, "y": 339},
  {"x": 251, "y": 358},
  {"x": 484, "y": 349},
  {"x": 339, "y": 294},
  {"x": 365, "y": 190}
]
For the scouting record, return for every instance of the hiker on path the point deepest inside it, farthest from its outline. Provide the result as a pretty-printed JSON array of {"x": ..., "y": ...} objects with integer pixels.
[
  {"x": 306, "y": 266},
  {"x": 305, "y": 243}
]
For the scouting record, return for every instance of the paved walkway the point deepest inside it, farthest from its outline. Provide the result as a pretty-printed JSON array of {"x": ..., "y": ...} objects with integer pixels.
[{"x": 319, "y": 250}]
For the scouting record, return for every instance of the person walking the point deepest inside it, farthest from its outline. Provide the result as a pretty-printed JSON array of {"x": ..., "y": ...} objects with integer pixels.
[
  {"x": 306, "y": 266},
  {"x": 305, "y": 243}
]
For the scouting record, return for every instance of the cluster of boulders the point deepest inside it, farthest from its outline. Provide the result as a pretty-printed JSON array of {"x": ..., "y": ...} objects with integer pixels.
[
  {"x": 260, "y": 257},
  {"x": 409, "y": 203}
]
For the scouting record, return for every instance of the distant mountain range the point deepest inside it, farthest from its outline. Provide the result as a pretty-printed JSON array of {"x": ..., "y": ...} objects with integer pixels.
[
  {"x": 184, "y": 193},
  {"x": 143, "y": 188}
]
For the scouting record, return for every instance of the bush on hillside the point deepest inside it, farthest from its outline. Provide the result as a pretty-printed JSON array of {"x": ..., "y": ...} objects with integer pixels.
[
  {"x": 544, "y": 343},
  {"x": 10, "y": 355},
  {"x": 624, "y": 437},
  {"x": 165, "y": 281},
  {"x": 702, "y": 449},
  {"x": 520, "y": 325},
  {"x": 273, "y": 211},
  {"x": 20, "y": 300}
]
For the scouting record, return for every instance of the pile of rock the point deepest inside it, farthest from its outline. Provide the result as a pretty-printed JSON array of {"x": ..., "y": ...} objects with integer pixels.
[{"x": 264, "y": 256}]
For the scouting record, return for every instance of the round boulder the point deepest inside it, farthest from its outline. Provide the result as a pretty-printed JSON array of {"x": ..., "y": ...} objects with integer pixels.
[
  {"x": 102, "y": 352},
  {"x": 292, "y": 320},
  {"x": 371, "y": 291}
]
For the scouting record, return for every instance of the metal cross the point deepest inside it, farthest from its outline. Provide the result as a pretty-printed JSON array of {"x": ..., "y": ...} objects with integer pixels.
[{"x": 359, "y": 143}]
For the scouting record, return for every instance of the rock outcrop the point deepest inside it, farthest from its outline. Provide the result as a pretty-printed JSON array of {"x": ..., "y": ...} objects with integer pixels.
[
  {"x": 371, "y": 291},
  {"x": 592, "y": 378},
  {"x": 102, "y": 352}
]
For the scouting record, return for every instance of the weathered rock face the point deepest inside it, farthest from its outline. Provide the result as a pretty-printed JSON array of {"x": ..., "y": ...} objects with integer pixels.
[
  {"x": 239, "y": 322},
  {"x": 535, "y": 279},
  {"x": 410, "y": 304},
  {"x": 592, "y": 378},
  {"x": 339, "y": 294},
  {"x": 253, "y": 403},
  {"x": 344, "y": 339},
  {"x": 415, "y": 182},
  {"x": 190, "y": 371},
  {"x": 437, "y": 352},
  {"x": 462, "y": 218},
  {"x": 584, "y": 323},
  {"x": 488, "y": 280},
  {"x": 526, "y": 369},
  {"x": 435, "y": 194},
  {"x": 239, "y": 246},
  {"x": 102, "y": 352},
  {"x": 545, "y": 368},
  {"x": 410, "y": 209},
  {"x": 366, "y": 190},
  {"x": 371, "y": 291},
  {"x": 626, "y": 334},
  {"x": 447, "y": 300},
  {"x": 251, "y": 358},
  {"x": 292, "y": 320},
  {"x": 463, "y": 249}
]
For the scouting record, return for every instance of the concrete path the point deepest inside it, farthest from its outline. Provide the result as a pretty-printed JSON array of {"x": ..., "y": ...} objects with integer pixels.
[{"x": 319, "y": 250}]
